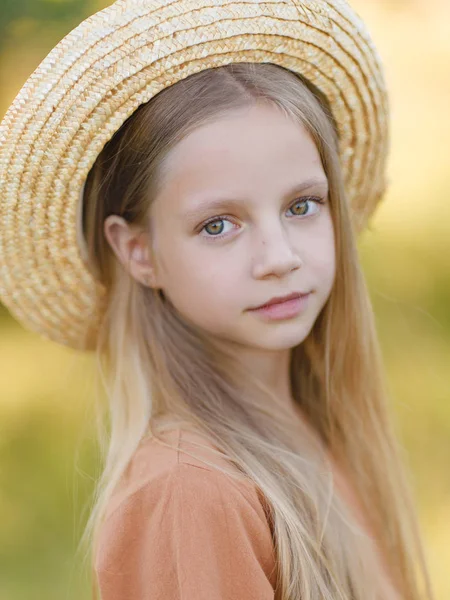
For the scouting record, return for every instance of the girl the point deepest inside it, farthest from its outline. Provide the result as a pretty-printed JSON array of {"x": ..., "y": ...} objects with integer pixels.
[{"x": 250, "y": 452}]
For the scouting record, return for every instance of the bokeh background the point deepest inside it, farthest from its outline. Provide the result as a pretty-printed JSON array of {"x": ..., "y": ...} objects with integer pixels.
[{"x": 48, "y": 453}]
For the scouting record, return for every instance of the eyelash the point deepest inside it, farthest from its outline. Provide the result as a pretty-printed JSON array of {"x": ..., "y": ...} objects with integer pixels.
[{"x": 315, "y": 199}]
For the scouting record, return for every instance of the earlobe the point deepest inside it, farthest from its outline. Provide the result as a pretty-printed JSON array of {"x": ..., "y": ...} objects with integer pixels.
[
  {"x": 149, "y": 280},
  {"x": 142, "y": 270}
]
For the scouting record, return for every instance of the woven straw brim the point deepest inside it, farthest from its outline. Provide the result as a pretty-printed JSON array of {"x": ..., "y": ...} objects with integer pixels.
[{"x": 119, "y": 58}]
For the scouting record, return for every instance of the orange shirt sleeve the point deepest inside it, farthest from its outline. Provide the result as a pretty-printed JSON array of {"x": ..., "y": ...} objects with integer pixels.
[{"x": 191, "y": 533}]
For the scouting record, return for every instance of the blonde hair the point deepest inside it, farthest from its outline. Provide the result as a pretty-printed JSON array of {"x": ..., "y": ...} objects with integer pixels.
[{"x": 152, "y": 363}]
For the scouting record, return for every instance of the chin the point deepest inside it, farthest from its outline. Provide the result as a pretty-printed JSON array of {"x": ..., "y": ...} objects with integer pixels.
[{"x": 284, "y": 339}]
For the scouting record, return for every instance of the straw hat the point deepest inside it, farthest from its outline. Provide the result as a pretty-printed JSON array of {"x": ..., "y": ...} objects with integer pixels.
[{"x": 116, "y": 60}]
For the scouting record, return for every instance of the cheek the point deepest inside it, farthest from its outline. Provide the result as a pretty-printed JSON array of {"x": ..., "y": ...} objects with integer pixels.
[
  {"x": 324, "y": 259},
  {"x": 322, "y": 255},
  {"x": 196, "y": 282}
]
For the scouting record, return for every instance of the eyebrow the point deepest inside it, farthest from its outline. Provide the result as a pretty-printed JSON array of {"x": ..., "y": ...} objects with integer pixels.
[{"x": 218, "y": 203}]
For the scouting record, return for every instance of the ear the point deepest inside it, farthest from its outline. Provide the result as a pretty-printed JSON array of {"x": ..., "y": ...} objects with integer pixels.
[{"x": 131, "y": 246}]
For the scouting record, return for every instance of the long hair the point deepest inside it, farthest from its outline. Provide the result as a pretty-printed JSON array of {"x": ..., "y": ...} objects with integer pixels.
[{"x": 152, "y": 363}]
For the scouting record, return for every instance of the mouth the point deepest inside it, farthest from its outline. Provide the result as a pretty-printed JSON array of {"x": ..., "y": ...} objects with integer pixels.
[{"x": 280, "y": 300}]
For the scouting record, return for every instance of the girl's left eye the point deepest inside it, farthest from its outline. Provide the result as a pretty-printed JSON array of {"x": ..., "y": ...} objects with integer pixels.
[{"x": 217, "y": 231}]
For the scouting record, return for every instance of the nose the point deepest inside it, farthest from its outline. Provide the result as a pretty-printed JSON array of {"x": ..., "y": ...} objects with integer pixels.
[{"x": 275, "y": 254}]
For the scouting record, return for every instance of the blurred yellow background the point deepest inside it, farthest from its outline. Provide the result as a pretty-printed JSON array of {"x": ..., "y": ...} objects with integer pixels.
[{"x": 48, "y": 454}]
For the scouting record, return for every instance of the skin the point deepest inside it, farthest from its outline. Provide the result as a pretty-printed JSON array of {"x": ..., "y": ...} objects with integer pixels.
[{"x": 266, "y": 242}]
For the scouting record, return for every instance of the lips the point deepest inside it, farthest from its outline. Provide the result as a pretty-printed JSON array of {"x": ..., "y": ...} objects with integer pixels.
[{"x": 280, "y": 299}]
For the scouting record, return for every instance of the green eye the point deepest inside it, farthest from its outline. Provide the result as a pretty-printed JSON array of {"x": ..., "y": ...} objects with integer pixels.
[
  {"x": 303, "y": 204},
  {"x": 216, "y": 227},
  {"x": 303, "y": 207}
]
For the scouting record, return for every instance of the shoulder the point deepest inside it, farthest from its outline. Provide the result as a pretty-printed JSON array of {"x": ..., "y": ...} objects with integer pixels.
[
  {"x": 184, "y": 462},
  {"x": 179, "y": 514}
]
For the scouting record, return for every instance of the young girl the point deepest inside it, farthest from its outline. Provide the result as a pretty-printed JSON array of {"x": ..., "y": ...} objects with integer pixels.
[{"x": 182, "y": 184}]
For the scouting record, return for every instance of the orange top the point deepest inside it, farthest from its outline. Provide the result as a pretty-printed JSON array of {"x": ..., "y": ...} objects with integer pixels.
[{"x": 178, "y": 529}]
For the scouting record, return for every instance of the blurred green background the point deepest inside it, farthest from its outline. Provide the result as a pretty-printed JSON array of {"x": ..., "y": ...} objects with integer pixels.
[{"x": 48, "y": 454}]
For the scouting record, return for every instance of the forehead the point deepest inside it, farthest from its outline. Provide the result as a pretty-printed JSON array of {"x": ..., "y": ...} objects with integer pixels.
[{"x": 251, "y": 150}]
